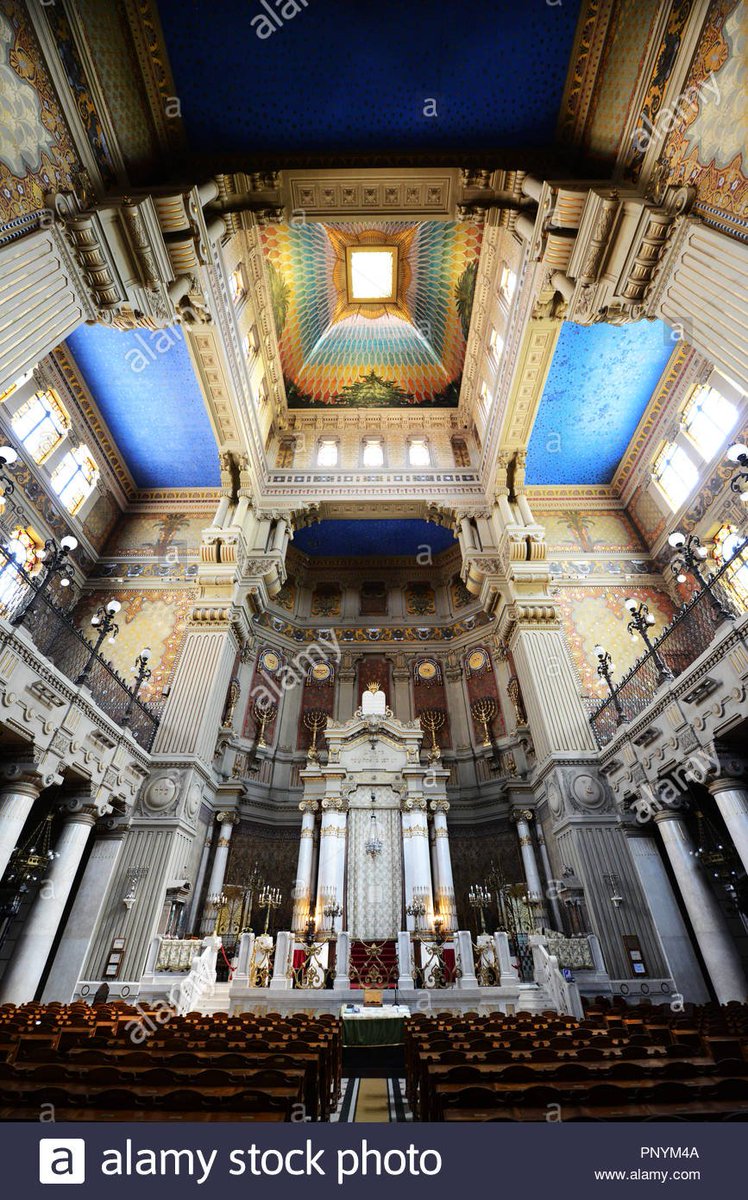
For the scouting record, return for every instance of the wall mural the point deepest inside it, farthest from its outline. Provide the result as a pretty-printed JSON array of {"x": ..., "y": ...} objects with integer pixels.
[
  {"x": 406, "y": 349},
  {"x": 157, "y": 619},
  {"x": 37, "y": 155},
  {"x": 705, "y": 147},
  {"x": 158, "y": 534},
  {"x": 589, "y": 532},
  {"x": 592, "y": 615}
]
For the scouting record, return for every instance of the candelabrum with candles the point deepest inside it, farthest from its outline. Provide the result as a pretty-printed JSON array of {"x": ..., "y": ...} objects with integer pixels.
[
  {"x": 314, "y": 720},
  {"x": 484, "y": 711},
  {"x": 263, "y": 712},
  {"x": 479, "y": 898},
  {"x": 432, "y": 719},
  {"x": 269, "y": 899},
  {"x": 418, "y": 907}
]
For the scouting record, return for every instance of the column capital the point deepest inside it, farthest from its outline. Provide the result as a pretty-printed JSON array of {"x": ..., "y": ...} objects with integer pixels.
[
  {"x": 26, "y": 776},
  {"x": 228, "y": 818},
  {"x": 308, "y": 806},
  {"x": 78, "y": 812},
  {"x": 520, "y": 814},
  {"x": 726, "y": 783},
  {"x": 668, "y": 814},
  {"x": 439, "y": 806},
  {"x": 413, "y": 804},
  {"x": 334, "y": 804}
]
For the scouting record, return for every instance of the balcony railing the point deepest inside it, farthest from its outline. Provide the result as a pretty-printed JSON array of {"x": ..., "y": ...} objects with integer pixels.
[
  {"x": 55, "y": 637},
  {"x": 688, "y": 635}
]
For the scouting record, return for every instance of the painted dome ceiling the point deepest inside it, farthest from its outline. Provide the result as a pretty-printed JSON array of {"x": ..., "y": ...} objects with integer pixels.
[{"x": 372, "y": 316}]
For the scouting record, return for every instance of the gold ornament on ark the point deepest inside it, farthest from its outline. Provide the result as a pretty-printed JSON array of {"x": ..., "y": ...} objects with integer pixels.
[
  {"x": 263, "y": 713},
  {"x": 314, "y": 720},
  {"x": 432, "y": 719},
  {"x": 484, "y": 711}
]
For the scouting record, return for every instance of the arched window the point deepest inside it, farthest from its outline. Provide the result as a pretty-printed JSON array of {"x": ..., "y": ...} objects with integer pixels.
[
  {"x": 418, "y": 452},
  {"x": 22, "y": 550},
  {"x": 728, "y": 543},
  {"x": 327, "y": 452},
  {"x": 75, "y": 477},
  {"x": 41, "y": 424}
]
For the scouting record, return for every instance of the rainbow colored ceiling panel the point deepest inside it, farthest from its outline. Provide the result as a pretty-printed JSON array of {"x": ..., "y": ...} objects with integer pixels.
[{"x": 397, "y": 351}]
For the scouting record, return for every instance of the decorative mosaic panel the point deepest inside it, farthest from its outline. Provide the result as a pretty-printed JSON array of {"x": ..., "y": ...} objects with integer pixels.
[
  {"x": 412, "y": 352},
  {"x": 589, "y": 532}
]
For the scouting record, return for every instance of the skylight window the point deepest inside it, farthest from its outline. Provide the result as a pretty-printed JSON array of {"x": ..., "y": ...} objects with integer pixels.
[
  {"x": 708, "y": 419},
  {"x": 677, "y": 474},
  {"x": 372, "y": 274}
]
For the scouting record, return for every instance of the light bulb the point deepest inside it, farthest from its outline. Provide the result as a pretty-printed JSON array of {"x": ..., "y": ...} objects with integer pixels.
[
  {"x": 110, "y": 640},
  {"x": 8, "y": 455},
  {"x": 64, "y": 583},
  {"x": 95, "y": 620},
  {"x": 599, "y": 652},
  {"x": 113, "y": 606},
  {"x": 68, "y": 543},
  {"x": 680, "y": 578},
  {"x": 734, "y": 452},
  {"x": 145, "y": 653},
  {"x": 649, "y": 619},
  {"x": 702, "y": 552},
  {"x": 677, "y": 539},
  {"x": 630, "y": 603}
]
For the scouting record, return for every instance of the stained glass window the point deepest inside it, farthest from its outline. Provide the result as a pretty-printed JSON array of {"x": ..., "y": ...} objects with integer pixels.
[{"x": 41, "y": 424}]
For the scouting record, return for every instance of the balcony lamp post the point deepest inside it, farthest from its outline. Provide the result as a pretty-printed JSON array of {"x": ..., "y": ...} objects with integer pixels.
[
  {"x": 56, "y": 565},
  {"x": 605, "y": 669},
  {"x": 641, "y": 621},
  {"x": 690, "y": 554},
  {"x": 103, "y": 622},
  {"x": 141, "y": 672},
  {"x": 8, "y": 456},
  {"x": 737, "y": 454}
]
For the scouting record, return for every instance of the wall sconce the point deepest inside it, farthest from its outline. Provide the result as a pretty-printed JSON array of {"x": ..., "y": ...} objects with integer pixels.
[
  {"x": 614, "y": 887},
  {"x": 134, "y": 876}
]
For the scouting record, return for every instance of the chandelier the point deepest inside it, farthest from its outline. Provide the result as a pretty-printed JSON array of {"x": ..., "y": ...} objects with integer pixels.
[
  {"x": 28, "y": 864},
  {"x": 374, "y": 844}
]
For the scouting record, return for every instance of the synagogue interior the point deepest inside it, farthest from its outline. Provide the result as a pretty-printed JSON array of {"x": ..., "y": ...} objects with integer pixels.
[{"x": 373, "y": 560}]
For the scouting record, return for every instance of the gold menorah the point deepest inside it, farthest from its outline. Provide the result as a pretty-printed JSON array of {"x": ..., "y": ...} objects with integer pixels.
[
  {"x": 484, "y": 711},
  {"x": 263, "y": 712},
  {"x": 431, "y": 720},
  {"x": 314, "y": 719}
]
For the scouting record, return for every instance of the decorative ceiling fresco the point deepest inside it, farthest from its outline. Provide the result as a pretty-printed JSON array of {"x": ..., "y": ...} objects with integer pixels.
[
  {"x": 144, "y": 386},
  {"x": 601, "y": 380},
  {"x": 277, "y": 76},
  {"x": 393, "y": 349},
  {"x": 374, "y": 539}
]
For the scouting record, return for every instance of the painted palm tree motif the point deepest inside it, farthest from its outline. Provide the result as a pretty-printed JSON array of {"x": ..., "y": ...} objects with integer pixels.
[
  {"x": 167, "y": 526},
  {"x": 580, "y": 524}
]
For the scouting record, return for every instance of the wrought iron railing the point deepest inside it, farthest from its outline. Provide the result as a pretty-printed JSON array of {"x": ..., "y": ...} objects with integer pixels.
[
  {"x": 688, "y": 635},
  {"x": 58, "y": 640}
]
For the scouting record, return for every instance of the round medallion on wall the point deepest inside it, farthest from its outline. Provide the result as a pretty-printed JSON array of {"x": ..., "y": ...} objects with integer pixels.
[
  {"x": 427, "y": 671},
  {"x": 321, "y": 672},
  {"x": 588, "y": 791},
  {"x": 477, "y": 661},
  {"x": 192, "y": 803},
  {"x": 160, "y": 794},
  {"x": 270, "y": 662},
  {"x": 555, "y": 803}
]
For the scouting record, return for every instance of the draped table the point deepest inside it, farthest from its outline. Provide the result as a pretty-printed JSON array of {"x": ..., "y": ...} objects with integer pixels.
[{"x": 373, "y": 1026}]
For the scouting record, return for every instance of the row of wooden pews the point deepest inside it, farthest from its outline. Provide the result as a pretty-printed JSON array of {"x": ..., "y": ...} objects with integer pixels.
[
  {"x": 118, "y": 1063},
  {"x": 618, "y": 1063}
]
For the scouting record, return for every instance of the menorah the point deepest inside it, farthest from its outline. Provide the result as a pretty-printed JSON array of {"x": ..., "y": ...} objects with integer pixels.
[
  {"x": 263, "y": 712},
  {"x": 314, "y": 720},
  {"x": 431, "y": 720},
  {"x": 484, "y": 711},
  {"x": 479, "y": 898},
  {"x": 269, "y": 899}
]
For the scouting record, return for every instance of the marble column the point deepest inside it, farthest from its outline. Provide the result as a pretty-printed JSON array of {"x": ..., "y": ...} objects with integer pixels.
[
  {"x": 732, "y": 801},
  {"x": 17, "y": 798},
  {"x": 227, "y": 821},
  {"x": 550, "y": 892},
  {"x": 522, "y": 818},
  {"x": 27, "y": 965},
  {"x": 303, "y": 884},
  {"x": 332, "y": 854},
  {"x": 417, "y": 860},
  {"x": 671, "y": 928},
  {"x": 444, "y": 887},
  {"x": 84, "y": 915},
  {"x": 202, "y": 870},
  {"x": 401, "y": 685},
  {"x": 707, "y": 920}
]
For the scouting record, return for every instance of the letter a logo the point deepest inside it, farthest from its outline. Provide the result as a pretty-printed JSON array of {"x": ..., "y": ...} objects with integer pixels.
[{"x": 62, "y": 1160}]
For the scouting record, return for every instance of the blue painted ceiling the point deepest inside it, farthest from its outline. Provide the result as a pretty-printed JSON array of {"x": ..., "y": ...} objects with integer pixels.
[
  {"x": 367, "y": 539},
  {"x": 357, "y": 77},
  {"x": 601, "y": 379},
  {"x": 146, "y": 390}
]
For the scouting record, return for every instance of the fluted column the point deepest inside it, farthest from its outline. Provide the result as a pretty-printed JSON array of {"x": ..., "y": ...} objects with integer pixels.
[
  {"x": 732, "y": 801},
  {"x": 17, "y": 798},
  {"x": 227, "y": 821},
  {"x": 416, "y": 858},
  {"x": 84, "y": 915},
  {"x": 332, "y": 851},
  {"x": 202, "y": 871},
  {"x": 550, "y": 689},
  {"x": 40, "y": 929},
  {"x": 303, "y": 884},
  {"x": 444, "y": 887},
  {"x": 707, "y": 920}
]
